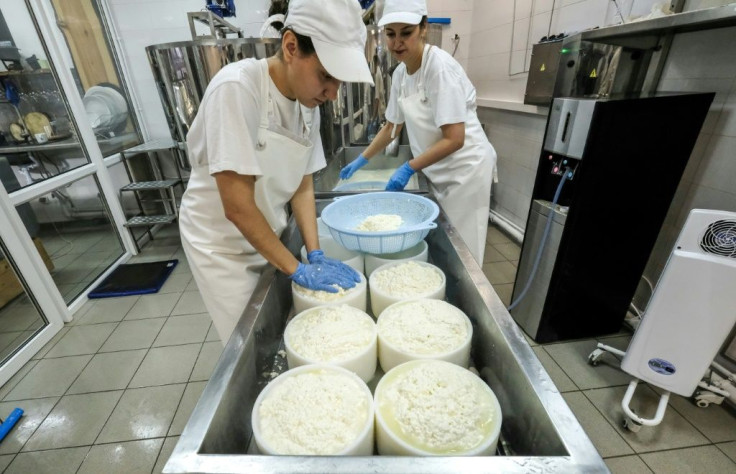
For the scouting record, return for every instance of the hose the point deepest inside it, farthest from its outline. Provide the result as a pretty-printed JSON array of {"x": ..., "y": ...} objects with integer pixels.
[{"x": 538, "y": 258}]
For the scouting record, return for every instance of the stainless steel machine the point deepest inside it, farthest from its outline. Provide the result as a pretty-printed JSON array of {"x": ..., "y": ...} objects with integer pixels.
[
  {"x": 539, "y": 432},
  {"x": 623, "y": 159},
  {"x": 182, "y": 71}
]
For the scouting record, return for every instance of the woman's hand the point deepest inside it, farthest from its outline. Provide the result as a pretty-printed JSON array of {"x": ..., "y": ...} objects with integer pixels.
[
  {"x": 350, "y": 169},
  {"x": 319, "y": 257},
  {"x": 400, "y": 178},
  {"x": 323, "y": 277}
]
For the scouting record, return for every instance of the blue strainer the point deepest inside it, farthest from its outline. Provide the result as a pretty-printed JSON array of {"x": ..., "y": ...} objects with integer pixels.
[{"x": 344, "y": 214}]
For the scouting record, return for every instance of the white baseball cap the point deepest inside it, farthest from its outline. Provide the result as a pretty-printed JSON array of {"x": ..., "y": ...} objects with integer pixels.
[
  {"x": 338, "y": 34},
  {"x": 403, "y": 11}
]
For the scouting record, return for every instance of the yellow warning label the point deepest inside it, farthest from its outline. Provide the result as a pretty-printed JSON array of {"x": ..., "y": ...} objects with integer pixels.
[
  {"x": 593, "y": 73},
  {"x": 543, "y": 68}
]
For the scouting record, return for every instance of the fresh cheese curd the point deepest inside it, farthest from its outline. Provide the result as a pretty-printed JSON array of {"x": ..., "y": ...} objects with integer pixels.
[
  {"x": 407, "y": 279},
  {"x": 340, "y": 335},
  {"x": 320, "y": 295},
  {"x": 437, "y": 408},
  {"x": 314, "y": 410},
  {"x": 305, "y": 298},
  {"x": 380, "y": 222},
  {"x": 424, "y": 327}
]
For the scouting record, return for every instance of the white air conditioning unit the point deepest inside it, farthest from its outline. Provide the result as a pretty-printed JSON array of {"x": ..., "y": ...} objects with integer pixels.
[{"x": 690, "y": 314}]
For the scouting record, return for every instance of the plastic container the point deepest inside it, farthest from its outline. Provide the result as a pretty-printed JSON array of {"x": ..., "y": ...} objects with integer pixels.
[
  {"x": 313, "y": 402},
  {"x": 421, "y": 339},
  {"x": 334, "y": 250},
  {"x": 345, "y": 214},
  {"x": 303, "y": 298},
  {"x": 361, "y": 186},
  {"x": 336, "y": 335},
  {"x": 381, "y": 298},
  {"x": 417, "y": 253},
  {"x": 459, "y": 395}
]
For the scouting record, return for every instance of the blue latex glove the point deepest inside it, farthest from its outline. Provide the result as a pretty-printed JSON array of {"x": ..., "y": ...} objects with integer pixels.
[
  {"x": 319, "y": 257},
  {"x": 400, "y": 178},
  {"x": 353, "y": 166},
  {"x": 317, "y": 276}
]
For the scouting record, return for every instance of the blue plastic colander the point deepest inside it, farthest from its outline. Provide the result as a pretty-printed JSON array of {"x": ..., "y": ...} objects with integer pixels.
[{"x": 345, "y": 214}]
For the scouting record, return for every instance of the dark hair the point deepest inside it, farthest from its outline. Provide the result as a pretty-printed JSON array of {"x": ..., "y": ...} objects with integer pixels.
[
  {"x": 423, "y": 23},
  {"x": 278, "y": 6},
  {"x": 304, "y": 43}
]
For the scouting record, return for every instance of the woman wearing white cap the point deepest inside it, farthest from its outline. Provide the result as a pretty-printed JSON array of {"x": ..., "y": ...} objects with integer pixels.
[
  {"x": 433, "y": 96},
  {"x": 254, "y": 145}
]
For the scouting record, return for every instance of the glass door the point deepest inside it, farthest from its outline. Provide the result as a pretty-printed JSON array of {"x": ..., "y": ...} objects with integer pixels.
[{"x": 64, "y": 118}]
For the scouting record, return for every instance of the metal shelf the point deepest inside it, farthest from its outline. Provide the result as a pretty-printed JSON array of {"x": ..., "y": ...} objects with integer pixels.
[
  {"x": 647, "y": 32},
  {"x": 138, "y": 221},
  {"x": 150, "y": 185}
]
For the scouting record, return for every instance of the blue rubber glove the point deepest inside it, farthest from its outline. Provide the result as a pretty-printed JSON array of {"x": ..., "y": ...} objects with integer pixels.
[
  {"x": 353, "y": 166},
  {"x": 400, "y": 178},
  {"x": 317, "y": 276},
  {"x": 319, "y": 257}
]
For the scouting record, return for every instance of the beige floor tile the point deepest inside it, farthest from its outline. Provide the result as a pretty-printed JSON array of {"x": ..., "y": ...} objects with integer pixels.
[
  {"x": 55, "y": 461},
  {"x": 34, "y": 412},
  {"x": 108, "y": 371},
  {"x": 604, "y": 437},
  {"x": 510, "y": 250},
  {"x": 212, "y": 334},
  {"x": 699, "y": 460},
  {"x": 558, "y": 376},
  {"x": 49, "y": 378},
  {"x": 134, "y": 457},
  {"x": 495, "y": 236},
  {"x": 189, "y": 303},
  {"x": 184, "y": 329},
  {"x": 192, "y": 286},
  {"x": 627, "y": 465},
  {"x": 75, "y": 421},
  {"x": 5, "y": 460},
  {"x": 153, "y": 306},
  {"x": 137, "y": 334},
  {"x": 499, "y": 272},
  {"x": 491, "y": 254},
  {"x": 674, "y": 431},
  {"x": 175, "y": 284},
  {"x": 16, "y": 378},
  {"x": 573, "y": 358},
  {"x": 49, "y": 345},
  {"x": 504, "y": 291},
  {"x": 166, "y": 365},
  {"x": 105, "y": 310},
  {"x": 715, "y": 422},
  {"x": 531, "y": 341},
  {"x": 188, "y": 402},
  {"x": 81, "y": 340},
  {"x": 165, "y": 454},
  {"x": 142, "y": 413},
  {"x": 729, "y": 449},
  {"x": 206, "y": 361}
]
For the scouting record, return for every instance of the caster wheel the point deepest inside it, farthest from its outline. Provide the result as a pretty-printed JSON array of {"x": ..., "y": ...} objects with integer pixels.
[
  {"x": 631, "y": 425},
  {"x": 592, "y": 360},
  {"x": 702, "y": 403}
]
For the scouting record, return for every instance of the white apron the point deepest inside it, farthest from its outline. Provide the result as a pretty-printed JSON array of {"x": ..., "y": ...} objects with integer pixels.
[
  {"x": 461, "y": 182},
  {"x": 225, "y": 266}
]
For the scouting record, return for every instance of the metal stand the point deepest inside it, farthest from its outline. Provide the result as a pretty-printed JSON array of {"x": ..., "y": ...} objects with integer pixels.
[
  {"x": 634, "y": 422},
  {"x": 165, "y": 186},
  {"x": 219, "y": 27}
]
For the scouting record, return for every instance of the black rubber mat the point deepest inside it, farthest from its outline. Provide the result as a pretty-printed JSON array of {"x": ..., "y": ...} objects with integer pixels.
[{"x": 134, "y": 279}]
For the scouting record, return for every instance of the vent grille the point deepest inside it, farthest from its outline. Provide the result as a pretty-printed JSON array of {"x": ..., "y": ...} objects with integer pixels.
[{"x": 720, "y": 238}]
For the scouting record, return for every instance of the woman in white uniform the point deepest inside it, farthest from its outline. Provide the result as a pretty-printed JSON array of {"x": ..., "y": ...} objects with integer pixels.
[
  {"x": 433, "y": 96},
  {"x": 254, "y": 145}
]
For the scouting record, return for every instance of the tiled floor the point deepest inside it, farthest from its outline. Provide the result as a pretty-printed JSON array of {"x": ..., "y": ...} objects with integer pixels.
[
  {"x": 113, "y": 390},
  {"x": 689, "y": 440}
]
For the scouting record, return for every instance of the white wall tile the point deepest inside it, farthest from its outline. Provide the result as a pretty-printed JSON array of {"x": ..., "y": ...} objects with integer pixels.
[
  {"x": 704, "y": 54},
  {"x": 522, "y": 9},
  {"x": 461, "y": 21},
  {"x": 464, "y": 5},
  {"x": 488, "y": 14},
  {"x": 717, "y": 169},
  {"x": 542, "y": 6},
  {"x": 128, "y": 17},
  {"x": 521, "y": 38},
  {"x": 434, "y": 7},
  {"x": 581, "y": 16},
  {"x": 727, "y": 121}
]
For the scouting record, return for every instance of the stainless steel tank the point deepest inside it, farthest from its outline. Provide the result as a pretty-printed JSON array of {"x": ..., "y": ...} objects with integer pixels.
[{"x": 182, "y": 71}]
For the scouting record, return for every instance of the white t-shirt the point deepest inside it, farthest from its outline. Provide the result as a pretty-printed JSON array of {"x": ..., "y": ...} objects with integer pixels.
[
  {"x": 224, "y": 133},
  {"x": 450, "y": 92}
]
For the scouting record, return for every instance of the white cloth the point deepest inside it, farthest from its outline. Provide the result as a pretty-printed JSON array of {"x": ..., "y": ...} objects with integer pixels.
[
  {"x": 461, "y": 182},
  {"x": 243, "y": 125}
]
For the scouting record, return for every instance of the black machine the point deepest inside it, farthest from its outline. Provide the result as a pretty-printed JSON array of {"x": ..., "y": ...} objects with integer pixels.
[{"x": 622, "y": 160}]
